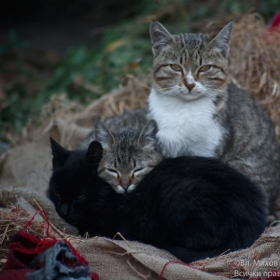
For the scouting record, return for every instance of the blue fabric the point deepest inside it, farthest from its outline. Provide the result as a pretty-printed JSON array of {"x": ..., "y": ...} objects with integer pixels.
[{"x": 58, "y": 263}]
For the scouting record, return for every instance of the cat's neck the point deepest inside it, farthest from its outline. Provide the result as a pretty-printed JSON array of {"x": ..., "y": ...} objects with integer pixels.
[{"x": 185, "y": 128}]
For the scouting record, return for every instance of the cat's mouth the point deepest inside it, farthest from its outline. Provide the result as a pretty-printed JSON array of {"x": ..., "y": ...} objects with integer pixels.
[{"x": 190, "y": 96}]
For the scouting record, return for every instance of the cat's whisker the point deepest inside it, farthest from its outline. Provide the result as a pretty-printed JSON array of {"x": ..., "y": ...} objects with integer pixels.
[{"x": 161, "y": 88}]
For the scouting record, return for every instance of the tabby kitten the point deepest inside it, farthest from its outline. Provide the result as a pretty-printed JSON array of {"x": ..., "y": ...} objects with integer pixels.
[
  {"x": 164, "y": 210},
  {"x": 130, "y": 149},
  {"x": 199, "y": 113},
  {"x": 129, "y": 154}
]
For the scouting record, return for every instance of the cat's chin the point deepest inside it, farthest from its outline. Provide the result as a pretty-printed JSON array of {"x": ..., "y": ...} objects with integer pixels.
[
  {"x": 190, "y": 96},
  {"x": 120, "y": 190}
]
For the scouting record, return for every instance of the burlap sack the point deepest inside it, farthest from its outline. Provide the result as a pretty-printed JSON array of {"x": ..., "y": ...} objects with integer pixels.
[
  {"x": 27, "y": 200},
  {"x": 132, "y": 260},
  {"x": 123, "y": 259}
]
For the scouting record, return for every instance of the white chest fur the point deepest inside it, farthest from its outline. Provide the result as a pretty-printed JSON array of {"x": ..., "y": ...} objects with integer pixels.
[{"x": 185, "y": 128}]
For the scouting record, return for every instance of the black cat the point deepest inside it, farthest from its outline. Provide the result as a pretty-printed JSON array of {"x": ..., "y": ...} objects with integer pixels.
[{"x": 193, "y": 207}]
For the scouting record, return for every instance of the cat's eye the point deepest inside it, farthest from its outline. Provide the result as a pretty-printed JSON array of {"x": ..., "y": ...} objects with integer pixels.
[
  {"x": 57, "y": 194},
  {"x": 175, "y": 67},
  {"x": 81, "y": 196},
  {"x": 204, "y": 68}
]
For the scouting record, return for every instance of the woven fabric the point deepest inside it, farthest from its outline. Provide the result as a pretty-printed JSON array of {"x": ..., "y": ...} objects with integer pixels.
[
  {"x": 134, "y": 260},
  {"x": 122, "y": 259}
]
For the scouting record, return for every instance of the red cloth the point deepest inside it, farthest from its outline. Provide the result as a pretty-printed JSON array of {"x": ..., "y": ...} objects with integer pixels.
[
  {"x": 23, "y": 248},
  {"x": 275, "y": 23}
]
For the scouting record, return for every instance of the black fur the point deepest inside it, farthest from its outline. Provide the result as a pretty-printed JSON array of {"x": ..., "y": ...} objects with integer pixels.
[{"x": 191, "y": 206}]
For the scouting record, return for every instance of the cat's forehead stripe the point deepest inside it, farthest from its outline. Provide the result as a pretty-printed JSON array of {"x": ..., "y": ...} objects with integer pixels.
[{"x": 188, "y": 49}]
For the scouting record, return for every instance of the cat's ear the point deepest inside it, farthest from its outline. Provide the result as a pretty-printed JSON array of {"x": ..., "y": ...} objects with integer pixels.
[
  {"x": 159, "y": 37},
  {"x": 94, "y": 155},
  {"x": 221, "y": 41},
  {"x": 59, "y": 153},
  {"x": 103, "y": 134},
  {"x": 147, "y": 137}
]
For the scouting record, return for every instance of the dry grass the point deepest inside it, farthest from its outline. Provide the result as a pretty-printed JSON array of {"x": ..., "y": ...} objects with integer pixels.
[
  {"x": 254, "y": 61},
  {"x": 131, "y": 94},
  {"x": 12, "y": 220}
]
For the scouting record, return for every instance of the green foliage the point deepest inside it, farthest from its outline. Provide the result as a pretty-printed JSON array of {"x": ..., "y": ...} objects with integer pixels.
[{"x": 122, "y": 51}]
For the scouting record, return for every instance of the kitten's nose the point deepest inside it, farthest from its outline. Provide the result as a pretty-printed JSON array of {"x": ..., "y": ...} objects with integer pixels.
[
  {"x": 125, "y": 184},
  {"x": 190, "y": 86}
]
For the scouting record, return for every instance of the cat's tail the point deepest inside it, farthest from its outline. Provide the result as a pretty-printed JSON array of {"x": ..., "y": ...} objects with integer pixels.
[{"x": 190, "y": 255}]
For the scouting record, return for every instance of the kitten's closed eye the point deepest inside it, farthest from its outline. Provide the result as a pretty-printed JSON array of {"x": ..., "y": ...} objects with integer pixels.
[
  {"x": 80, "y": 197},
  {"x": 137, "y": 170},
  {"x": 113, "y": 171}
]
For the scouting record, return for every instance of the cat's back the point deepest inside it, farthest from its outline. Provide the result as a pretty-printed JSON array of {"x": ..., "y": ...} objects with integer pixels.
[
  {"x": 199, "y": 202},
  {"x": 188, "y": 173},
  {"x": 251, "y": 145},
  {"x": 248, "y": 125},
  {"x": 245, "y": 111},
  {"x": 251, "y": 131}
]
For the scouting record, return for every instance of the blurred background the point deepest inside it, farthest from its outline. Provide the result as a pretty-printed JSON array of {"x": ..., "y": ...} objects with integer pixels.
[{"x": 83, "y": 49}]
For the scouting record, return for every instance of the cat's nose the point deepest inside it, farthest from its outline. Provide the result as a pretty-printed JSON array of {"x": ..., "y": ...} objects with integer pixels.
[
  {"x": 63, "y": 210},
  {"x": 190, "y": 86}
]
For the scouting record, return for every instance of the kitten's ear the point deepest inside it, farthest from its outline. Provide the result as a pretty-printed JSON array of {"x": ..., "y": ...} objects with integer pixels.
[
  {"x": 94, "y": 155},
  {"x": 147, "y": 136},
  {"x": 103, "y": 134},
  {"x": 221, "y": 41},
  {"x": 59, "y": 153},
  {"x": 159, "y": 37}
]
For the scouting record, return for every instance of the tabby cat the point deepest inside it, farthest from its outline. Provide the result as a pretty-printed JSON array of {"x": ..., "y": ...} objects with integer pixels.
[
  {"x": 199, "y": 113},
  {"x": 193, "y": 207}
]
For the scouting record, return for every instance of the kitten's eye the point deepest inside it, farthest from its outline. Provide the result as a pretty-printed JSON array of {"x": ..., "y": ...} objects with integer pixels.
[
  {"x": 113, "y": 170},
  {"x": 81, "y": 196},
  {"x": 204, "y": 68},
  {"x": 175, "y": 67},
  {"x": 138, "y": 169},
  {"x": 57, "y": 194}
]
